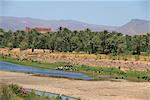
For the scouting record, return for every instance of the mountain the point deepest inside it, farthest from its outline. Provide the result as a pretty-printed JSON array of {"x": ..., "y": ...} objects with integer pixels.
[
  {"x": 15, "y": 23},
  {"x": 135, "y": 26}
]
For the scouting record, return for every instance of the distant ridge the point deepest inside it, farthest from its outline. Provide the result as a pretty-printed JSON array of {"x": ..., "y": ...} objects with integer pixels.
[{"x": 135, "y": 26}]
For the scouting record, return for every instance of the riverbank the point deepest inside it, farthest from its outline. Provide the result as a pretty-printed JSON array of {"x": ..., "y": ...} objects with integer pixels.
[
  {"x": 6, "y": 66},
  {"x": 125, "y": 62},
  {"x": 15, "y": 92},
  {"x": 97, "y": 73},
  {"x": 87, "y": 90}
]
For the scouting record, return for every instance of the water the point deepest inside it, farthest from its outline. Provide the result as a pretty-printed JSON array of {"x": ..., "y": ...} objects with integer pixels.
[
  {"x": 20, "y": 68},
  {"x": 49, "y": 94}
]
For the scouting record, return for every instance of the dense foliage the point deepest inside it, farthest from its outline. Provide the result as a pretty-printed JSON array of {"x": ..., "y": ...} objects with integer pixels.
[{"x": 65, "y": 40}]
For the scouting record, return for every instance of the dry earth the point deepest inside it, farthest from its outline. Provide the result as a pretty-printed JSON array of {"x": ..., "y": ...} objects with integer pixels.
[
  {"x": 87, "y": 90},
  {"x": 87, "y": 59}
]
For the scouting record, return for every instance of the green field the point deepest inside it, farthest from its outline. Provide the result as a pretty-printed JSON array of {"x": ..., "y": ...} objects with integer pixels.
[{"x": 98, "y": 73}]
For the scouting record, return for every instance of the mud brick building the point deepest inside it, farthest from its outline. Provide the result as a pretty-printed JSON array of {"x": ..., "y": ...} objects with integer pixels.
[{"x": 40, "y": 30}]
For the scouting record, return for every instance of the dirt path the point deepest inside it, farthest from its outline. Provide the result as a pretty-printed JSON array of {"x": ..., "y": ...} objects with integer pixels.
[{"x": 87, "y": 90}]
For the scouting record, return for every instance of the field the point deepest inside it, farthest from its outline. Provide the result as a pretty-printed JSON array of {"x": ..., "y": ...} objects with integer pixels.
[{"x": 125, "y": 62}]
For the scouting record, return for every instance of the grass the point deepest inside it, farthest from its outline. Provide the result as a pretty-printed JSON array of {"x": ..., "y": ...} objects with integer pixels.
[
  {"x": 14, "y": 92},
  {"x": 98, "y": 73},
  {"x": 36, "y": 64},
  {"x": 124, "y": 57}
]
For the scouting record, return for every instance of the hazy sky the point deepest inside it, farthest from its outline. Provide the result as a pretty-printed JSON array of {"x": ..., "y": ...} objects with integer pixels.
[{"x": 104, "y": 12}]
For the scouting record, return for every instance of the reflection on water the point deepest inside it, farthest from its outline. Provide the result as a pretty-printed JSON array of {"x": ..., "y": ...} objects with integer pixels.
[{"x": 20, "y": 68}]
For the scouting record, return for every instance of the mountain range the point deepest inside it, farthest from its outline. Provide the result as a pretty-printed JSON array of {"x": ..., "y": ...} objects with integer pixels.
[{"x": 135, "y": 26}]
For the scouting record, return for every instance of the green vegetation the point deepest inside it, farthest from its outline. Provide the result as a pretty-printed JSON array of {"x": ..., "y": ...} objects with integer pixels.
[
  {"x": 65, "y": 40},
  {"x": 14, "y": 92},
  {"x": 32, "y": 63},
  {"x": 98, "y": 73}
]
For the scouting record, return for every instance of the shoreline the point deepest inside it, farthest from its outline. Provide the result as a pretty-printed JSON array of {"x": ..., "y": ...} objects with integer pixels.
[
  {"x": 125, "y": 62},
  {"x": 93, "y": 72},
  {"x": 87, "y": 90}
]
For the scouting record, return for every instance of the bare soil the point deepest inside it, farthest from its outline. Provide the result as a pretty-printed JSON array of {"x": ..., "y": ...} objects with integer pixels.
[
  {"x": 143, "y": 62},
  {"x": 86, "y": 90}
]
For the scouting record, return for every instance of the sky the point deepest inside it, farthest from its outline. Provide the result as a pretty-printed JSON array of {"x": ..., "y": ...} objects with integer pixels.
[{"x": 102, "y": 12}]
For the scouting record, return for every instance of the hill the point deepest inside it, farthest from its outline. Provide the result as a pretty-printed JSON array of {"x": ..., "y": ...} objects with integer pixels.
[{"x": 135, "y": 26}]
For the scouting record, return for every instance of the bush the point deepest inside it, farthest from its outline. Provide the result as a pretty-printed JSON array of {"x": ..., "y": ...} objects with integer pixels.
[
  {"x": 14, "y": 92},
  {"x": 8, "y": 94},
  {"x": 137, "y": 57},
  {"x": 15, "y": 88}
]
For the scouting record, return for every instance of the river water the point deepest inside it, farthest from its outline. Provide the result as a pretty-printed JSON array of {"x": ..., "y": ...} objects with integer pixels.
[
  {"x": 5, "y": 66},
  {"x": 20, "y": 68}
]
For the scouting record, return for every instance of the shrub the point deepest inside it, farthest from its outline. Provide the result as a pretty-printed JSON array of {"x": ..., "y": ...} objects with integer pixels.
[
  {"x": 7, "y": 94},
  {"x": 14, "y": 92},
  {"x": 137, "y": 57},
  {"x": 15, "y": 88},
  {"x": 78, "y": 98}
]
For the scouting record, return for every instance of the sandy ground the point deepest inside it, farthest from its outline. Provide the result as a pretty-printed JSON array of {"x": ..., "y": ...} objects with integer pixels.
[
  {"x": 87, "y": 59},
  {"x": 86, "y": 90}
]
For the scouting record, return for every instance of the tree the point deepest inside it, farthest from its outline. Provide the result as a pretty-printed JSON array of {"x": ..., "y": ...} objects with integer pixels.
[
  {"x": 23, "y": 45},
  {"x": 136, "y": 44},
  {"x": 65, "y": 40}
]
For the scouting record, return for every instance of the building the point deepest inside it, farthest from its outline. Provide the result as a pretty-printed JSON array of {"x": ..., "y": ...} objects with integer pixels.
[{"x": 40, "y": 30}]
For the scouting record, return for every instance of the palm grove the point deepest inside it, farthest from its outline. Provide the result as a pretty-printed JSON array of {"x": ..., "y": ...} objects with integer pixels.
[{"x": 65, "y": 40}]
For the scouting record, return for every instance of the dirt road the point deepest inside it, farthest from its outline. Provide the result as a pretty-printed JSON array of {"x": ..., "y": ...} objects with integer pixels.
[{"x": 86, "y": 90}]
